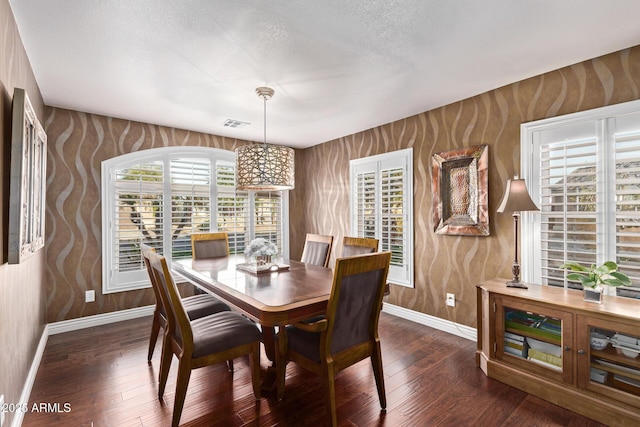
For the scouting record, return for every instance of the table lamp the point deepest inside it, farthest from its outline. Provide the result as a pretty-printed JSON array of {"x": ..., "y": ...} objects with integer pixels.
[{"x": 516, "y": 199}]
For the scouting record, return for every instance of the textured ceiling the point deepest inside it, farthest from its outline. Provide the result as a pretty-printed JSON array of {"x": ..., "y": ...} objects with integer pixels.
[{"x": 337, "y": 67}]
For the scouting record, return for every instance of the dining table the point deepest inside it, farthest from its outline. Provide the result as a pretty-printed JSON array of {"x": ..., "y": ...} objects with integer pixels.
[{"x": 288, "y": 292}]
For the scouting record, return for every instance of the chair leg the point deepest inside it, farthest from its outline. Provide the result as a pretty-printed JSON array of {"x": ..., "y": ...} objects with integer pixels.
[
  {"x": 155, "y": 331},
  {"x": 254, "y": 362},
  {"x": 165, "y": 364},
  {"x": 230, "y": 365},
  {"x": 328, "y": 383},
  {"x": 182, "y": 382},
  {"x": 376, "y": 363}
]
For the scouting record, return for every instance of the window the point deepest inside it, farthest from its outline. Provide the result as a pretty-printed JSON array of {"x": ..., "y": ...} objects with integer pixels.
[
  {"x": 583, "y": 171},
  {"x": 161, "y": 196},
  {"x": 382, "y": 207}
]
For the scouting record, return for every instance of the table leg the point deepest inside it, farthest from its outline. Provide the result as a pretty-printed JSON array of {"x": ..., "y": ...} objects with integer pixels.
[{"x": 269, "y": 341}]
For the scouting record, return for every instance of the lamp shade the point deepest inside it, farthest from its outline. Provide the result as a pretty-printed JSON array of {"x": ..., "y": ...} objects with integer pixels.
[
  {"x": 516, "y": 197},
  {"x": 265, "y": 167}
]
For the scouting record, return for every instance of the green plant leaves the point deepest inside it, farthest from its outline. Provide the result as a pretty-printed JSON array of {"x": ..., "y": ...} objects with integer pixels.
[
  {"x": 590, "y": 277},
  {"x": 574, "y": 266}
]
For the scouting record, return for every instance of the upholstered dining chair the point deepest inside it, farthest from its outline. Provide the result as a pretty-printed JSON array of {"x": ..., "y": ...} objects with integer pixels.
[
  {"x": 348, "y": 332},
  {"x": 209, "y": 245},
  {"x": 317, "y": 249},
  {"x": 202, "y": 342},
  {"x": 196, "y": 306},
  {"x": 358, "y": 246}
]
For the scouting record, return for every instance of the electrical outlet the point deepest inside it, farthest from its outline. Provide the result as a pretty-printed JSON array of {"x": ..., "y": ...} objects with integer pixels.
[
  {"x": 1, "y": 410},
  {"x": 89, "y": 296},
  {"x": 451, "y": 300}
]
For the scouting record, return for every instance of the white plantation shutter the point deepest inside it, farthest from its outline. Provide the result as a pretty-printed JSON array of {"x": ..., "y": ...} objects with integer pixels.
[
  {"x": 190, "y": 202},
  {"x": 137, "y": 217},
  {"x": 584, "y": 174},
  {"x": 393, "y": 202},
  {"x": 568, "y": 215},
  {"x": 232, "y": 208},
  {"x": 365, "y": 204},
  {"x": 382, "y": 208},
  {"x": 161, "y": 196},
  {"x": 627, "y": 205},
  {"x": 268, "y": 209}
]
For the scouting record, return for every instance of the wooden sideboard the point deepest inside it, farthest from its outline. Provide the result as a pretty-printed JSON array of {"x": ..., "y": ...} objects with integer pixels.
[{"x": 539, "y": 341}]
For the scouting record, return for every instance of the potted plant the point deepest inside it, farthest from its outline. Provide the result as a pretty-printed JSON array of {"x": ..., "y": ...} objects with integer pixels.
[
  {"x": 261, "y": 250},
  {"x": 593, "y": 279}
]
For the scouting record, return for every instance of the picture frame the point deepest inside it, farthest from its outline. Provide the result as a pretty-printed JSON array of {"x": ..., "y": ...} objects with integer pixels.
[
  {"x": 460, "y": 187},
  {"x": 27, "y": 180}
]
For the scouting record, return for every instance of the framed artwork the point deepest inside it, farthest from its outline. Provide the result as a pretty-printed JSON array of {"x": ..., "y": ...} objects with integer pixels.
[
  {"x": 28, "y": 180},
  {"x": 460, "y": 186}
]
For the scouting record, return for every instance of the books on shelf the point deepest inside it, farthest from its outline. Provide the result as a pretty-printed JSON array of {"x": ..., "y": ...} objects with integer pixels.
[
  {"x": 514, "y": 344},
  {"x": 534, "y": 324},
  {"x": 541, "y": 356},
  {"x": 514, "y": 348},
  {"x": 514, "y": 351},
  {"x": 545, "y": 347},
  {"x": 514, "y": 337},
  {"x": 545, "y": 364},
  {"x": 544, "y": 353}
]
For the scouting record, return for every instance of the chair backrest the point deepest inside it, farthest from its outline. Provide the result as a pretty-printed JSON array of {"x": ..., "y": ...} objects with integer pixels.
[
  {"x": 317, "y": 249},
  {"x": 179, "y": 326},
  {"x": 354, "y": 306},
  {"x": 145, "y": 250},
  {"x": 358, "y": 246},
  {"x": 209, "y": 245}
]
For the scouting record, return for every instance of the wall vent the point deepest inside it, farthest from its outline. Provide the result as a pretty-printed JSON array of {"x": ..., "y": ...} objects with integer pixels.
[{"x": 230, "y": 123}]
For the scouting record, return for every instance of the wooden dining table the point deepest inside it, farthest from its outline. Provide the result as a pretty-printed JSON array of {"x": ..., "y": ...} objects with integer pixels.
[{"x": 290, "y": 292}]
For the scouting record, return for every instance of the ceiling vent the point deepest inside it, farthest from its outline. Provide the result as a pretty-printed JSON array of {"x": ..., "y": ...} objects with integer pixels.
[{"x": 230, "y": 123}]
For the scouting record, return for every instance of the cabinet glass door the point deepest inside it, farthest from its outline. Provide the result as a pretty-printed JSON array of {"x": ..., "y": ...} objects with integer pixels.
[
  {"x": 533, "y": 338},
  {"x": 609, "y": 358}
]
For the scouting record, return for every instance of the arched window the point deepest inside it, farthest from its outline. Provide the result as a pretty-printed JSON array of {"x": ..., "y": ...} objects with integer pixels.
[{"x": 160, "y": 196}]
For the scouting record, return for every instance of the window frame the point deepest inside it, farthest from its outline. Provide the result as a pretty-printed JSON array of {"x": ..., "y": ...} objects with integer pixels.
[
  {"x": 404, "y": 275},
  {"x": 139, "y": 278},
  {"x": 602, "y": 119}
]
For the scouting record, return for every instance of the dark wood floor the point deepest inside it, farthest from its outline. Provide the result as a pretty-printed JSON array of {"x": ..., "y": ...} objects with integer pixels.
[{"x": 430, "y": 376}]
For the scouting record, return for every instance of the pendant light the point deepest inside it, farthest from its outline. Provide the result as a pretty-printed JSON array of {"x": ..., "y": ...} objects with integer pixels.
[{"x": 264, "y": 167}]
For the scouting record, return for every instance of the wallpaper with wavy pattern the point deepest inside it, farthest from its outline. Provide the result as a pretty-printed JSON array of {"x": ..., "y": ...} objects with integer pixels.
[
  {"x": 455, "y": 264},
  {"x": 79, "y": 142},
  {"x": 22, "y": 307}
]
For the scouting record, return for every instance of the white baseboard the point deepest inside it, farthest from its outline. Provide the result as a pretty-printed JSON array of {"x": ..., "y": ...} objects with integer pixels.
[
  {"x": 99, "y": 319},
  {"x": 31, "y": 378},
  {"x": 432, "y": 321}
]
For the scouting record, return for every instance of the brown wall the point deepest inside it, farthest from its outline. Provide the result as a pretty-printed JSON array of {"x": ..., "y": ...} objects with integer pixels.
[
  {"x": 22, "y": 309},
  {"x": 452, "y": 263},
  {"x": 78, "y": 143}
]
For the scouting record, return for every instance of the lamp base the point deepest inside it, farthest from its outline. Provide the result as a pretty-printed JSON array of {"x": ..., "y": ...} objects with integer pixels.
[{"x": 516, "y": 284}]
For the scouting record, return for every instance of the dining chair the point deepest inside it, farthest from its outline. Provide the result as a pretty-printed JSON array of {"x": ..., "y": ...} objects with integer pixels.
[
  {"x": 358, "y": 246},
  {"x": 346, "y": 334},
  {"x": 317, "y": 249},
  {"x": 202, "y": 342},
  {"x": 196, "y": 306},
  {"x": 209, "y": 245}
]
